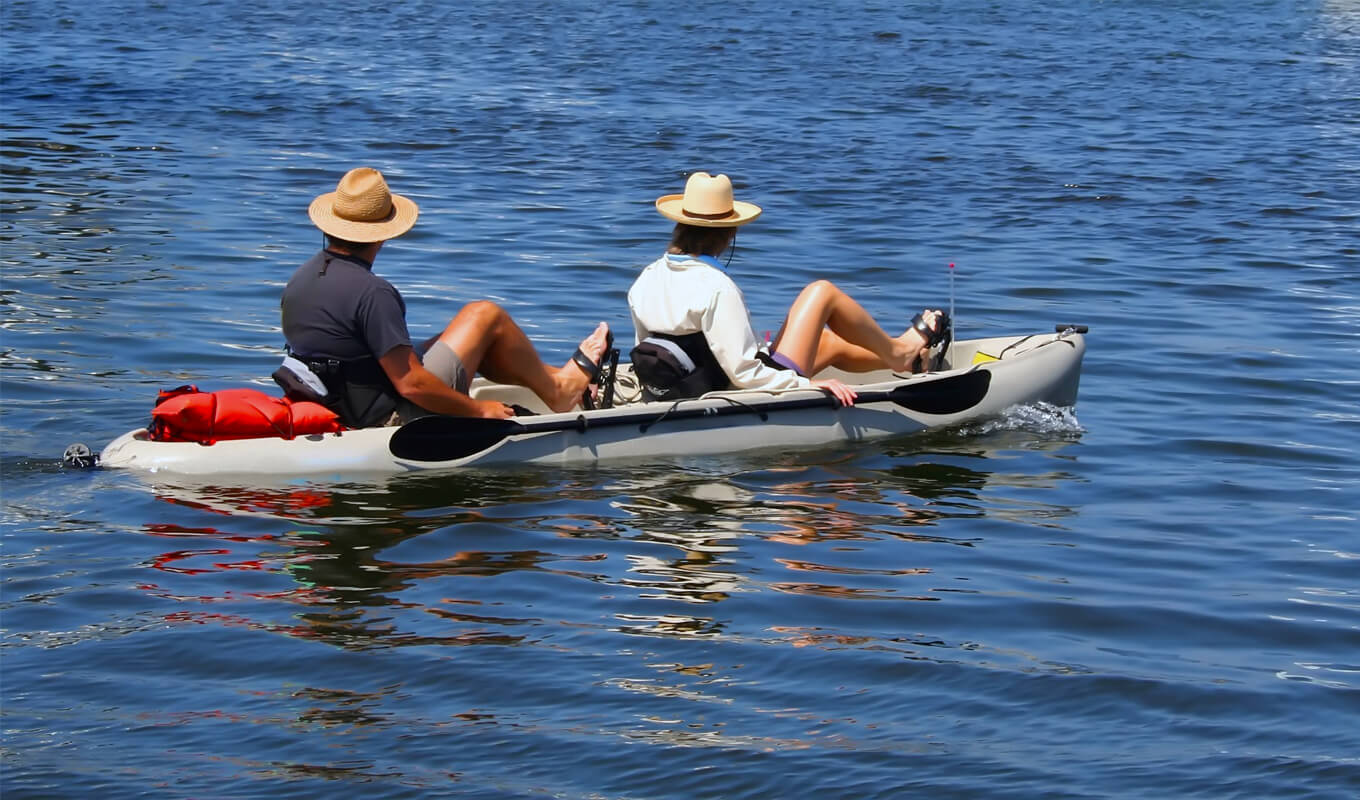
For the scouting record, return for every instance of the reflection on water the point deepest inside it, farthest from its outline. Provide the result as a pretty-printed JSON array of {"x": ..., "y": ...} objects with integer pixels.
[
  {"x": 792, "y": 553},
  {"x": 404, "y": 561},
  {"x": 1182, "y": 582}
]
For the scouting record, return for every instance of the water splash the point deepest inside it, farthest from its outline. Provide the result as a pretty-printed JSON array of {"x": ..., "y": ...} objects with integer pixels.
[{"x": 1042, "y": 418}]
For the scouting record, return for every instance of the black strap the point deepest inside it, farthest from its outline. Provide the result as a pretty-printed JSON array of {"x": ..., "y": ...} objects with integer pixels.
[
  {"x": 935, "y": 335},
  {"x": 357, "y": 389},
  {"x": 660, "y": 381}
]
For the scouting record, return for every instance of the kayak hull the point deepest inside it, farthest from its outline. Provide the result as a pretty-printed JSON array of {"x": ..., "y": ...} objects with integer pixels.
[{"x": 1015, "y": 370}]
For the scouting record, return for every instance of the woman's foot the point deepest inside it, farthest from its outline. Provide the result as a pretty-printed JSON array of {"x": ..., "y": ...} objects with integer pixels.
[
  {"x": 573, "y": 378},
  {"x": 913, "y": 346}
]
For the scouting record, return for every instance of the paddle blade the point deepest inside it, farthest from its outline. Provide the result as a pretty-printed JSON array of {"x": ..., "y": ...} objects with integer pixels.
[
  {"x": 951, "y": 395},
  {"x": 438, "y": 438}
]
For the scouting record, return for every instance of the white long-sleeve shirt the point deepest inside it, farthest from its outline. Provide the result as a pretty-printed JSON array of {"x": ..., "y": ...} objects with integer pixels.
[{"x": 678, "y": 295}]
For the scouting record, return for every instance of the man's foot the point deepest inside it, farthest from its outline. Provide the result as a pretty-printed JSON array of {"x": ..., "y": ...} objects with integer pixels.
[{"x": 584, "y": 366}]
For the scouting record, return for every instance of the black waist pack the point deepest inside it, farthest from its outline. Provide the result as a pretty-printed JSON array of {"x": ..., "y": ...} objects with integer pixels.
[
  {"x": 357, "y": 390},
  {"x": 676, "y": 367}
]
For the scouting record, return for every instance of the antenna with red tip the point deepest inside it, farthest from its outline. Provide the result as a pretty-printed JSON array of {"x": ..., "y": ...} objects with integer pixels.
[{"x": 951, "y": 314}]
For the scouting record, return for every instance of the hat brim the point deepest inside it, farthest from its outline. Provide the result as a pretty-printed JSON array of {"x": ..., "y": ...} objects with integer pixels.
[
  {"x": 671, "y": 206},
  {"x": 403, "y": 216}
]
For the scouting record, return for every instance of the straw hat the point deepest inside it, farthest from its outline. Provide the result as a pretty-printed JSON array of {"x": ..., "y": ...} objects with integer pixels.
[
  {"x": 707, "y": 202},
  {"x": 361, "y": 209}
]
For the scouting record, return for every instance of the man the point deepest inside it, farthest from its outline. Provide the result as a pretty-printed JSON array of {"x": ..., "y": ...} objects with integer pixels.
[{"x": 347, "y": 327}]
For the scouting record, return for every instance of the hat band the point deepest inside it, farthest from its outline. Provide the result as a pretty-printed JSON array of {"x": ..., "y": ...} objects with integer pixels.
[{"x": 719, "y": 215}]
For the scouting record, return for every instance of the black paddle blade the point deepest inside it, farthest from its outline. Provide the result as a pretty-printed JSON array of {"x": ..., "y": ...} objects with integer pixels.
[
  {"x": 945, "y": 396},
  {"x": 438, "y": 438}
]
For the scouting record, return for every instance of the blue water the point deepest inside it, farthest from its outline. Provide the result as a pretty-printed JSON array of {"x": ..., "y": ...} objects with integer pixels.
[{"x": 1156, "y": 594}]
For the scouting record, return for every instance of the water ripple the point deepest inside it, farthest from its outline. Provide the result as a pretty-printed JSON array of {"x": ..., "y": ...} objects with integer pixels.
[{"x": 1148, "y": 595}]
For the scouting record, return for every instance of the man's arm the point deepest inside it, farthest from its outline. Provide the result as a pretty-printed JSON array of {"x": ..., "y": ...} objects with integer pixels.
[{"x": 420, "y": 386}]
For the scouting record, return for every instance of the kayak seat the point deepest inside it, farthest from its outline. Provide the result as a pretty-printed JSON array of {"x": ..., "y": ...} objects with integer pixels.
[{"x": 676, "y": 367}]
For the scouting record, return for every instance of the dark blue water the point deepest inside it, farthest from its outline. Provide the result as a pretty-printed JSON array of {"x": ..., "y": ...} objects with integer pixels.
[{"x": 1155, "y": 596}]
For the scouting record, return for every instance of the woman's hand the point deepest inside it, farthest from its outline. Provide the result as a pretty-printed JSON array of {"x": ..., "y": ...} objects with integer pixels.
[{"x": 840, "y": 391}]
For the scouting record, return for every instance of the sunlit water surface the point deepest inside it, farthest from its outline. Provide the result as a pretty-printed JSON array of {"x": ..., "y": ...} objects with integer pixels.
[{"x": 1156, "y": 594}]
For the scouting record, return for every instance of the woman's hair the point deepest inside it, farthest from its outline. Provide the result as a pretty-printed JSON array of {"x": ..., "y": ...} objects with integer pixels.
[{"x": 702, "y": 241}]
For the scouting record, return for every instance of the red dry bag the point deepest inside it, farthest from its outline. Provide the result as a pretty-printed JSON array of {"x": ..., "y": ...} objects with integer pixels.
[{"x": 188, "y": 415}]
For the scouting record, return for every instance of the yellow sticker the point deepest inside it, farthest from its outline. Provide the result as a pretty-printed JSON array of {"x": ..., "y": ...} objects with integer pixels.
[{"x": 982, "y": 358}]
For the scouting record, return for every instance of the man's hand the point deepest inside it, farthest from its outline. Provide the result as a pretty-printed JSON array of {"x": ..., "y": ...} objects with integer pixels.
[
  {"x": 490, "y": 409},
  {"x": 417, "y": 384}
]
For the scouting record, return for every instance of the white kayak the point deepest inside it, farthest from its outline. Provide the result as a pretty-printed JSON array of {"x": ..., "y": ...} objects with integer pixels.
[{"x": 978, "y": 379}]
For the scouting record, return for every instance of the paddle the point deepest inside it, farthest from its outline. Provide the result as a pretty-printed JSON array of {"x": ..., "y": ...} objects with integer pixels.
[{"x": 438, "y": 438}]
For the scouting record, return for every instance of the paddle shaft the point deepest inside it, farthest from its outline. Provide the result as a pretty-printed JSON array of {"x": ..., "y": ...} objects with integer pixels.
[{"x": 439, "y": 438}]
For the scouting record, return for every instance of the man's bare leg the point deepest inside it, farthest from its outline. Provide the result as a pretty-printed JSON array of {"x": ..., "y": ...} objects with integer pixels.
[{"x": 490, "y": 342}]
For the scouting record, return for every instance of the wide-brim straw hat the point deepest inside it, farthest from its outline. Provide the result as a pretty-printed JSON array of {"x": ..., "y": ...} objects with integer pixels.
[
  {"x": 363, "y": 209},
  {"x": 707, "y": 203}
]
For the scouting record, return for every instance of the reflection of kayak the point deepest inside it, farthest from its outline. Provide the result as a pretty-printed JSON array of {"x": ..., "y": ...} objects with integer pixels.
[{"x": 992, "y": 375}]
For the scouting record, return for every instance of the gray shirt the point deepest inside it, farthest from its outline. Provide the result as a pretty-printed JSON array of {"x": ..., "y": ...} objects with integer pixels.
[{"x": 335, "y": 307}]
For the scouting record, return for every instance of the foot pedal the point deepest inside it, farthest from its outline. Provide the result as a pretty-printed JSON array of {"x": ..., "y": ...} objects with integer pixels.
[
  {"x": 608, "y": 375},
  {"x": 609, "y": 368}
]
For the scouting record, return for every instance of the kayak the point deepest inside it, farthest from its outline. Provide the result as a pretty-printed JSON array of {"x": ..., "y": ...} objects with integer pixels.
[{"x": 976, "y": 379}]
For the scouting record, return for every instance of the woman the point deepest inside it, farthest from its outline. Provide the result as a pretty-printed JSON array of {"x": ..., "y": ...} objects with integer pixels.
[{"x": 686, "y": 292}]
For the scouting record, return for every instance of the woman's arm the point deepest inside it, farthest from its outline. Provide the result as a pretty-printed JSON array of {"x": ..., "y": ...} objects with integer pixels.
[
  {"x": 727, "y": 327},
  {"x": 640, "y": 331}
]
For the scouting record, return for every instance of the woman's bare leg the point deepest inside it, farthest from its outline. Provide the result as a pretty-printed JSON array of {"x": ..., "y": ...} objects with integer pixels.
[
  {"x": 490, "y": 342},
  {"x": 860, "y": 344},
  {"x": 832, "y": 350}
]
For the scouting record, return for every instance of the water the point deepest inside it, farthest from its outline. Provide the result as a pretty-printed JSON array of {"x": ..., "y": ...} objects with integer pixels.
[{"x": 1156, "y": 595}]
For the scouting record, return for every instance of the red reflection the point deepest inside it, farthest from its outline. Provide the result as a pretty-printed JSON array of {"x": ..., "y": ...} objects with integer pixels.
[
  {"x": 162, "y": 562},
  {"x": 230, "y": 500}
]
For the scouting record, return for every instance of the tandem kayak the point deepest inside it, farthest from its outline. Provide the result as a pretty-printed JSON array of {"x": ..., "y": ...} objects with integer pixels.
[{"x": 977, "y": 379}]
